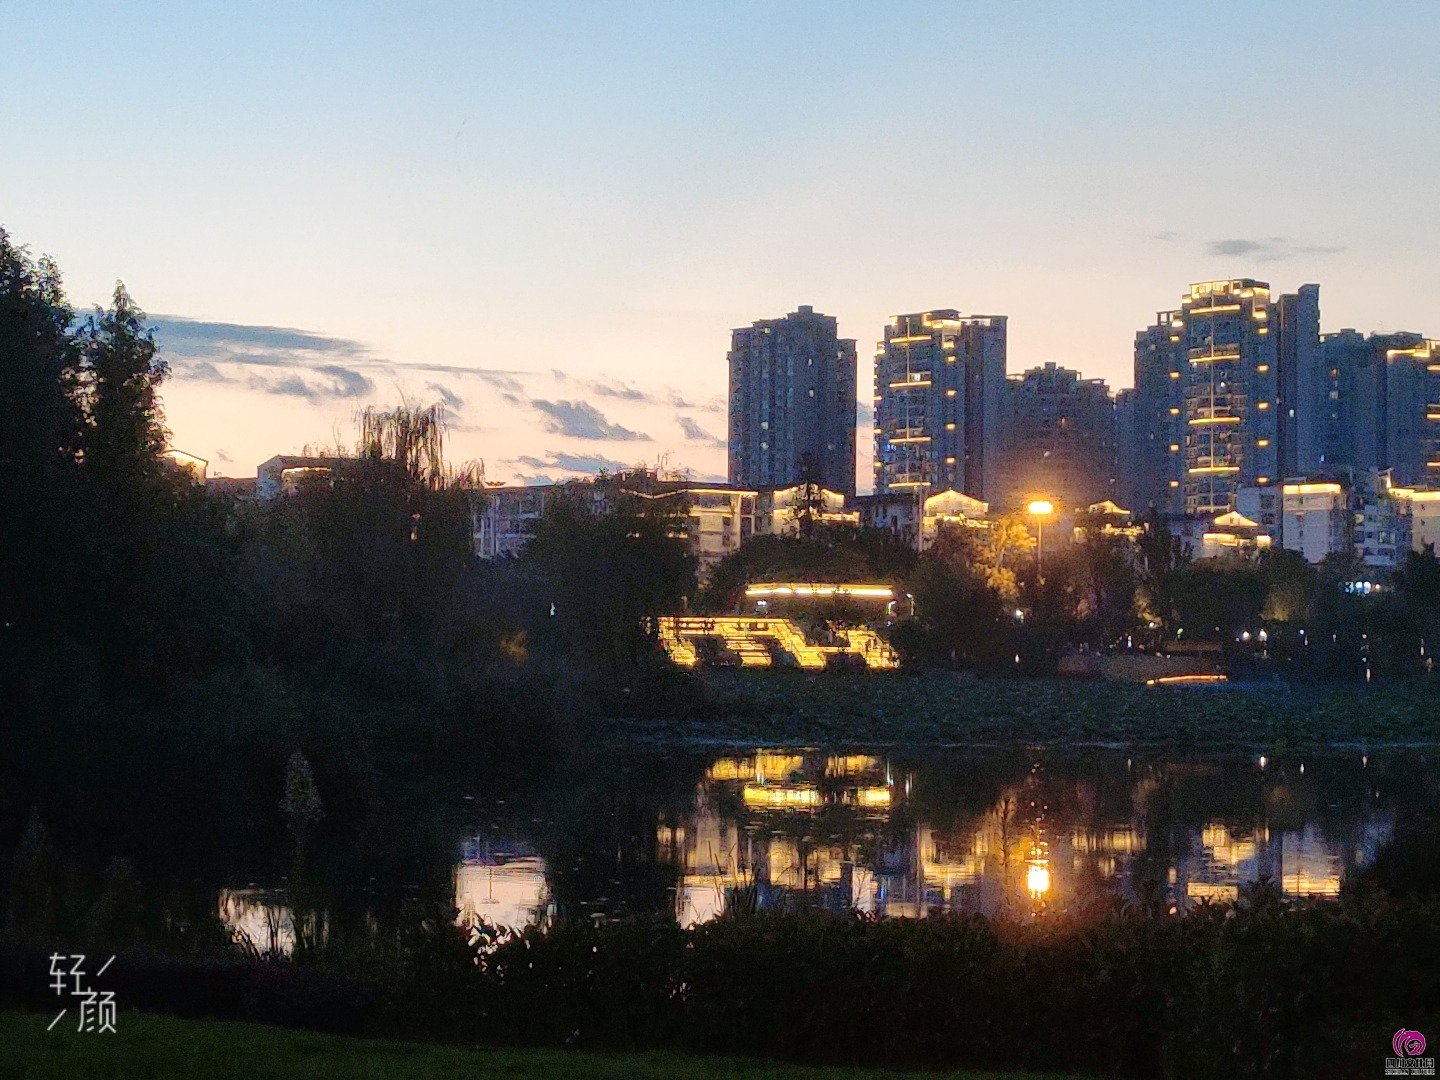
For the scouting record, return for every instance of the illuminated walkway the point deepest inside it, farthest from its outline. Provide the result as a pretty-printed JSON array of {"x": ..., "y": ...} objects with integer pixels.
[{"x": 757, "y": 640}]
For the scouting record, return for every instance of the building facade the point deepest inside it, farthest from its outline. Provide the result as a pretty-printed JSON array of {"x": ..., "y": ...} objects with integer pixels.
[
  {"x": 1225, "y": 393},
  {"x": 1380, "y": 405},
  {"x": 939, "y": 403},
  {"x": 1059, "y": 439},
  {"x": 792, "y": 403}
]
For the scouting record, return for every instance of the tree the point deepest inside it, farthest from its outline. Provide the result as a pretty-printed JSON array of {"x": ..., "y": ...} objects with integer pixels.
[
  {"x": 608, "y": 574},
  {"x": 43, "y": 518},
  {"x": 121, "y": 377}
]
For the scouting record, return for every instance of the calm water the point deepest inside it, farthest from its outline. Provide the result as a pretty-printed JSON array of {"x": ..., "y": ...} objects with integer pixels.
[{"x": 1010, "y": 833}]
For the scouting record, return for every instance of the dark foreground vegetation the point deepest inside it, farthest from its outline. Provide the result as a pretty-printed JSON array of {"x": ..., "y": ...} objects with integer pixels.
[
  {"x": 1257, "y": 988},
  {"x": 147, "y": 1047}
]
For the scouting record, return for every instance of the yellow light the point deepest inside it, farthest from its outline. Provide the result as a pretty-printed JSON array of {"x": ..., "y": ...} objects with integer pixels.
[
  {"x": 1040, "y": 508},
  {"x": 1205, "y": 469},
  {"x": 1262, "y": 405},
  {"x": 950, "y": 393},
  {"x": 1262, "y": 442},
  {"x": 1037, "y": 879},
  {"x": 1311, "y": 489},
  {"x": 1175, "y": 374},
  {"x": 877, "y": 592},
  {"x": 1214, "y": 420},
  {"x": 1262, "y": 368},
  {"x": 1186, "y": 680},
  {"x": 756, "y": 795}
]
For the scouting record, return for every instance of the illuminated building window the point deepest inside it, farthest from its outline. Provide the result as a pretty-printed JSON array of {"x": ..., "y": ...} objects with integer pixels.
[
  {"x": 1262, "y": 442},
  {"x": 950, "y": 393},
  {"x": 1262, "y": 405}
]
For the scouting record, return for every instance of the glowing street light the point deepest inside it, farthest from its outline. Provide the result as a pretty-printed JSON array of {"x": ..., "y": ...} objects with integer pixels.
[{"x": 1040, "y": 509}]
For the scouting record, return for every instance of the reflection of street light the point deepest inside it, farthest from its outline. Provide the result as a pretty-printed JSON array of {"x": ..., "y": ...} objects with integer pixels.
[
  {"x": 1037, "y": 878},
  {"x": 1040, "y": 509}
]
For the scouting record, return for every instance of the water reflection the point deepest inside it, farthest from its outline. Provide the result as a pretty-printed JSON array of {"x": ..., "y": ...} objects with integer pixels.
[
  {"x": 260, "y": 921},
  {"x": 908, "y": 836},
  {"x": 906, "y": 832},
  {"x": 506, "y": 886}
]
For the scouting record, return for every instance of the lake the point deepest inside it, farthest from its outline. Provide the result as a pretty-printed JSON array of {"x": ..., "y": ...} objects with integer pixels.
[{"x": 1009, "y": 832}]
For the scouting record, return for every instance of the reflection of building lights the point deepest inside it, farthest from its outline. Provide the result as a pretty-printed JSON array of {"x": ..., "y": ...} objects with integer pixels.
[
  {"x": 1037, "y": 879},
  {"x": 777, "y": 797}
]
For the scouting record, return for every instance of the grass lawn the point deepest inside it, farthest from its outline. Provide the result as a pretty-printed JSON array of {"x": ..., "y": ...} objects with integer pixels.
[
  {"x": 149, "y": 1047},
  {"x": 792, "y": 708}
]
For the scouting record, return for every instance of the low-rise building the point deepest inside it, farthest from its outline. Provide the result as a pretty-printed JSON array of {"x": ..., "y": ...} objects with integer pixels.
[
  {"x": 1233, "y": 534},
  {"x": 917, "y": 520},
  {"x": 1316, "y": 518},
  {"x": 285, "y": 473}
]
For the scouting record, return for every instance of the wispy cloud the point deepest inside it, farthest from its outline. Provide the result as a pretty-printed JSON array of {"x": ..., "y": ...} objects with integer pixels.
[
  {"x": 581, "y": 463},
  {"x": 581, "y": 420},
  {"x": 323, "y": 381},
  {"x": 616, "y": 389},
  {"x": 1268, "y": 249},
  {"x": 695, "y": 433},
  {"x": 451, "y": 399}
]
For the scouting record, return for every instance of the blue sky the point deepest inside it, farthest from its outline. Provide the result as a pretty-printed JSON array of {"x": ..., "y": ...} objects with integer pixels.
[{"x": 526, "y": 205}]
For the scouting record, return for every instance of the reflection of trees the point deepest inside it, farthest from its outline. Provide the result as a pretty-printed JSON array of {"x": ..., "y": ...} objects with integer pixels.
[{"x": 598, "y": 831}]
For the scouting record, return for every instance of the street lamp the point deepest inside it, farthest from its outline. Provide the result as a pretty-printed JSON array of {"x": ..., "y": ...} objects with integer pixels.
[{"x": 1040, "y": 509}]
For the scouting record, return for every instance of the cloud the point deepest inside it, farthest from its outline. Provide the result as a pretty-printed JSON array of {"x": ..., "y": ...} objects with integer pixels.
[
  {"x": 238, "y": 343},
  {"x": 695, "y": 433},
  {"x": 1267, "y": 249},
  {"x": 451, "y": 399},
  {"x": 581, "y": 420},
  {"x": 324, "y": 381},
  {"x": 623, "y": 391},
  {"x": 198, "y": 370},
  {"x": 1166, "y": 236},
  {"x": 582, "y": 463}
]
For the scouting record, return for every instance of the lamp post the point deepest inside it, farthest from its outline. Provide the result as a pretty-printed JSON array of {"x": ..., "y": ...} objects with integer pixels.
[{"x": 1040, "y": 509}]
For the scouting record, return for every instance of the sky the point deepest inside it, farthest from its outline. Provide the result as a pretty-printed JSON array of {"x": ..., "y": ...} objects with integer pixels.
[{"x": 550, "y": 216}]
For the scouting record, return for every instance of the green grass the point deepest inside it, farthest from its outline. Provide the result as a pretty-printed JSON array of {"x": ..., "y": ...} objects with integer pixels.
[
  {"x": 148, "y": 1047},
  {"x": 944, "y": 708}
]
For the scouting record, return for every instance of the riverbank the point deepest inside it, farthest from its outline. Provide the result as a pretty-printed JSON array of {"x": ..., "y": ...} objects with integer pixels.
[
  {"x": 150, "y": 1047},
  {"x": 954, "y": 709}
]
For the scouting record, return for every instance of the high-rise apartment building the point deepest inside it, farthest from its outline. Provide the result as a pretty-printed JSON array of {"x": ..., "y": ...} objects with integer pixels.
[
  {"x": 1225, "y": 388},
  {"x": 1059, "y": 439},
  {"x": 792, "y": 403},
  {"x": 939, "y": 399},
  {"x": 1297, "y": 353},
  {"x": 1380, "y": 405}
]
